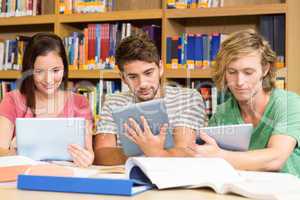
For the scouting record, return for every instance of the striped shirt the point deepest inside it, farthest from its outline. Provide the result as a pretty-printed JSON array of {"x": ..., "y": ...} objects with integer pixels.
[{"x": 185, "y": 108}]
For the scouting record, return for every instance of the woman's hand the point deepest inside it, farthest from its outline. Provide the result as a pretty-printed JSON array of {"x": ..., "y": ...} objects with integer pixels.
[
  {"x": 150, "y": 144},
  {"x": 83, "y": 157}
]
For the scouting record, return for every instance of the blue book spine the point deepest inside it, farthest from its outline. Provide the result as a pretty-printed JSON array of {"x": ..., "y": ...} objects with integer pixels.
[
  {"x": 169, "y": 49},
  {"x": 179, "y": 50},
  {"x": 184, "y": 47},
  {"x": 198, "y": 51},
  {"x": 214, "y": 46},
  {"x": 97, "y": 35},
  {"x": 206, "y": 48},
  {"x": 191, "y": 51},
  {"x": 76, "y": 185}
]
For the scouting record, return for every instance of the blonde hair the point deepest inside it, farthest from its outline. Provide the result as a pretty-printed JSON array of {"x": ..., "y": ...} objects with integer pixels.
[{"x": 238, "y": 45}]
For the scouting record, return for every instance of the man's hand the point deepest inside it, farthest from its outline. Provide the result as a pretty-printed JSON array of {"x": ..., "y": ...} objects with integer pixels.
[
  {"x": 209, "y": 149},
  {"x": 150, "y": 144}
]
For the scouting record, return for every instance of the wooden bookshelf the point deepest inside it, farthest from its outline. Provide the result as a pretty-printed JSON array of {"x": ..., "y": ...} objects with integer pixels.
[
  {"x": 262, "y": 9},
  {"x": 73, "y": 74},
  {"x": 94, "y": 74},
  {"x": 112, "y": 16},
  {"x": 235, "y": 15},
  {"x": 10, "y": 74},
  {"x": 28, "y": 20},
  {"x": 187, "y": 74}
]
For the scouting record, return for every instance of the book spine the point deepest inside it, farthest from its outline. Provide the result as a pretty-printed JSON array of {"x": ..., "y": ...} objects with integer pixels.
[{"x": 74, "y": 184}]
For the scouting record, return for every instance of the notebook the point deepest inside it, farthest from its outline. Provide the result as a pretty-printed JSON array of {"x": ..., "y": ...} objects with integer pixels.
[
  {"x": 155, "y": 113},
  {"x": 48, "y": 138},
  {"x": 231, "y": 137}
]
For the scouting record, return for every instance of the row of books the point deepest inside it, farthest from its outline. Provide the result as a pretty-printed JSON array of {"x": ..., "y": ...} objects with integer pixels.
[
  {"x": 95, "y": 93},
  {"x": 95, "y": 47},
  {"x": 10, "y": 8},
  {"x": 193, "y": 51},
  {"x": 272, "y": 27},
  {"x": 85, "y": 6},
  {"x": 11, "y": 53},
  {"x": 179, "y": 4}
]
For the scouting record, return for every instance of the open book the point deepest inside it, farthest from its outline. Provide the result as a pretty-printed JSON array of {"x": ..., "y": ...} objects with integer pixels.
[
  {"x": 214, "y": 173},
  {"x": 12, "y": 166}
]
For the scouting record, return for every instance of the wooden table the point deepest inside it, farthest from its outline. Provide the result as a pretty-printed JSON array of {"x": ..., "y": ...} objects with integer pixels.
[{"x": 180, "y": 194}]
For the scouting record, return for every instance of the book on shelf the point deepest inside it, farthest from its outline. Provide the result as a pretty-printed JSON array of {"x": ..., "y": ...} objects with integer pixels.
[
  {"x": 209, "y": 94},
  {"x": 16, "y": 8},
  {"x": 144, "y": 173},
  {"x": 100, "y": 6},
  {"x": 83, "y": 6},
  {"x": 11, "y": 52},
  {"x": 95, "y": 93},
  {"x": 181, "y": 4},
  {"x": 193, "y": 51},
  {"x": 95, "y": 47},
  {"x": 272, "y": 28}
]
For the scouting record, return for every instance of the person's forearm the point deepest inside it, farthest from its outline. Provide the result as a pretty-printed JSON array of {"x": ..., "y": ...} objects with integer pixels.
[
  {"x": 256, "y": 160},
  {"x": 109, "y": 156},
  {"x": 7, "y": 152},
  {"x": 173, "y": 152}
]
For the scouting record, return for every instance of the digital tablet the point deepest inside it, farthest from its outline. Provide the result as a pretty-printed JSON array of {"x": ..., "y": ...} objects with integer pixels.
[
  {"x": 48, "y": 138},
  {"x": 155, "y": 113},
  {"x": 230, "y": 137}
]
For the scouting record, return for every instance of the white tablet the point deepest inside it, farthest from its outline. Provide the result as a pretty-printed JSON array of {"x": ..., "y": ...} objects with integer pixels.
[
  {"x": 48, "y": 138},
  {"x": 155, "y": 113},
  {"x": 231, "y": 137}
]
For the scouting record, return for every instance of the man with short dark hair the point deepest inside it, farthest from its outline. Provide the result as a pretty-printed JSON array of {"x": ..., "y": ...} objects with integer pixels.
[{"x": 141, "y": 70}]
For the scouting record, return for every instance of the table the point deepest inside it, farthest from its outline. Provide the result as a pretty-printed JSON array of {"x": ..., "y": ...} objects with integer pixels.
[{"x": 184, "y": 194}]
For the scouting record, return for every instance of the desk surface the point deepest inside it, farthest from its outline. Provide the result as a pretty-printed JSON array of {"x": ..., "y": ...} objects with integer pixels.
[{"x": 193, "y": 194}]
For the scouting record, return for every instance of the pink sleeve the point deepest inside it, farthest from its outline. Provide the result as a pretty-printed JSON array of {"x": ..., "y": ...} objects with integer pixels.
[
  {"x": 8, "y": 107},
  {"x": 83, "y": 107}
]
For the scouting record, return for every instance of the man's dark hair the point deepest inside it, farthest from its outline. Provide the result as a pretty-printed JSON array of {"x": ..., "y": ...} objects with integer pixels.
[{"x": 136, "y": 47}]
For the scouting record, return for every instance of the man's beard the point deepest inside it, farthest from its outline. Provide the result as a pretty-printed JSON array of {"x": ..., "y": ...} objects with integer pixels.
[{"x": 154, "y": 94}]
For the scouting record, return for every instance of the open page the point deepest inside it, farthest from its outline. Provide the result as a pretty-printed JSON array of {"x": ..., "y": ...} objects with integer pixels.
[
  {"x": 8, "y": 161},
  {"x": 267, "y": 185},
  {"x": 183, "y": 172},
  {"x": 11, "y": 166}
]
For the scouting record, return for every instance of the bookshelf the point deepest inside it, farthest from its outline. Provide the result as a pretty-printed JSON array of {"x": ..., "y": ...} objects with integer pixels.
[
  {"x": 94, "y": 74},
  {"x": 182, "y": 73},
  {"x": 233, "y": 16}
]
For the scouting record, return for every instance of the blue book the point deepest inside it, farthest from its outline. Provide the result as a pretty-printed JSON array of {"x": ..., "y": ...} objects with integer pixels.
[
  {"x": 206, "y": 51},
  {"x": 198, "y": 51},
  {"x": 122, "y": 187},
  {"x": 214, "y": 46},
  {"x": 190, "y": 51},
  {"x": 169, "y": 49}
]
